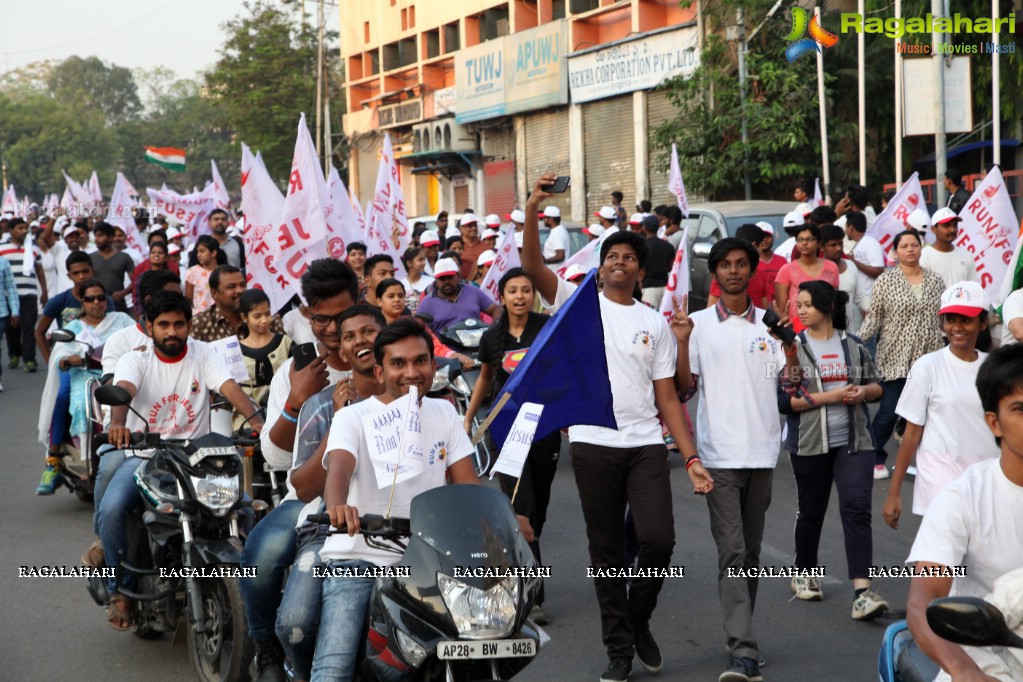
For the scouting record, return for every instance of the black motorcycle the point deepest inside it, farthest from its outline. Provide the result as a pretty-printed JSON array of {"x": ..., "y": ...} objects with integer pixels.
[
  {"x": 184, "y": 547},
  {"x": 460, "y": 613},
  {"x": 464, "y": 337}
]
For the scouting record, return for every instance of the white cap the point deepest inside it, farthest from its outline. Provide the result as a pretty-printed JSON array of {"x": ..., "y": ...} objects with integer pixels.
[
  {"x": 428, "y": 238},
  {"x": 942, "y": 215},
  {"x": 60, "y": 224},
  {"x": 594, "y": 230},
  {"x": 486, "y": 258},
  {"x": 964, "y": 298},
  {"x": 34, "y": 223},
  {"x": 517, "y": 216},
  {"x": 173, "y": 233},
  {"x": 493, "y": 220},
  {"x": 173, "y": 249},
  {"x": 804, "y": 209},
  {"x": 574, "y": 270},
  {"x": 606, "y": 212},
  {"x": 792, "y": 219},
  {"x": 635, "y": 218},
  {"x": 919, "y": 220},
  {"x": 445, "y": 267},
  {"x": 552, "y": 212},
  {"x": 468, "y": 219},
  {"x": 489, "y": 234},
  {"x": 765, "y": 226}
]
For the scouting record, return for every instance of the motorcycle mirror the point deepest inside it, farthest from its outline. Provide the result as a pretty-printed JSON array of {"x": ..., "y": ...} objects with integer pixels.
[
  {"x": 970, "y": 621},
  {"x": 62, "y": 335},
  {"x": 112, "y": 395}
]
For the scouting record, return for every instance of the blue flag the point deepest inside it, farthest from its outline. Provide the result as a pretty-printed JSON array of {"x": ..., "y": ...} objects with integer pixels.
[{"x": 565, "y": 370}]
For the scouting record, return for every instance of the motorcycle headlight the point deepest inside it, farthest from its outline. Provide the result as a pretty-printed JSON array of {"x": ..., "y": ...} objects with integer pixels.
[
  {"x": 217, "y": 492},
  {"x": 461, "y": 385},
  {"x": 470, "y": 338},
  {"x": 480, "y": 614},
  {"x": 441, "y": 379}
]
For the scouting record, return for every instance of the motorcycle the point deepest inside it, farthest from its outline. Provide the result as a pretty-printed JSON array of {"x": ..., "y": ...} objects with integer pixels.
[
  {"x": 465, "y": 337},
  {"x": 184, "y": 547},
  {"x": 79, "y": 462},
  {"x": 453, "y": 616},
  {"x": 967, "y": 621}
]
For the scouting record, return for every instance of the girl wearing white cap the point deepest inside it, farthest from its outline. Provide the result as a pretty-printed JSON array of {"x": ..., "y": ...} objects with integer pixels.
[{"x": 945, "y": 427}]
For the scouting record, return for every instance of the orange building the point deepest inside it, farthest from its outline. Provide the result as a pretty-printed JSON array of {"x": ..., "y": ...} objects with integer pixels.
[{"x": 481, "y": 96}]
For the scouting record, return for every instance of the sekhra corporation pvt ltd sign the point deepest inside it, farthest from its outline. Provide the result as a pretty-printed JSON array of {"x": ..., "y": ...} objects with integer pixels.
[{"x": 638, "y": 63}]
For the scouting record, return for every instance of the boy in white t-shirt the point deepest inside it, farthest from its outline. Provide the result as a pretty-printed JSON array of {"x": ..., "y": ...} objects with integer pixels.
[
  {"x": 975, "y": 523},
  {"x": 628, "y": 464},
  {"x": 169, "y": 385},
  {"x": 952, "y": 265}
]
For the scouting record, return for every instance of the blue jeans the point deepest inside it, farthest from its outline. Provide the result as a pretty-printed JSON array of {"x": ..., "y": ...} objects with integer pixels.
[
  {"x": 298, "y": 619},
  {"x": 109, "y": 460},
  {"x": 270, "y": 549},
  {"x": 884, "y": 420},
  {"x": 61, "y": 412},
  {"x": 343, "y": 621},
  {"x": 119, "y": 500}
]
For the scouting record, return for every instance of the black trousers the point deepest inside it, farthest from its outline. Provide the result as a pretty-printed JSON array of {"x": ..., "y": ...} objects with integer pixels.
[
  {"x": 21, "y": 342},
  {"x": 607, "y": 479}
]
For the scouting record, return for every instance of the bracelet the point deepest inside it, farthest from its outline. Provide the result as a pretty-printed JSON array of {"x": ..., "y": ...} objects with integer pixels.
[
  {"x": 692, "y": 460},
  {"x": 792, "y": 354},
  {"x": 293, "y": 420},
  {"x": 290, "y": 410}
]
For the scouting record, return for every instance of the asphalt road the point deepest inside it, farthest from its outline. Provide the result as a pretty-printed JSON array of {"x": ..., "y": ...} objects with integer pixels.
[{"x": 51, "y": 629}]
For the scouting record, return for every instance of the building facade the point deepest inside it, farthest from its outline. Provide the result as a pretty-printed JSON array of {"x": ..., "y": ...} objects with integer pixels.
[{"x": 482, "y": 96}]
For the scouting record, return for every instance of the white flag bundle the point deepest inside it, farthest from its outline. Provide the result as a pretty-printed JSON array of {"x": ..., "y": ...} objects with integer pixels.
[
  {"x": 262, "y": 203},
  {"x": 10, "y": 202},
  {"x": 507, "y": 258},
  {"x": 80, "y": 195},
  {"x": 394, "y": 435},
  {"x": 218, "y": 190},
  {"x": 675, "y": 184},
  {"x": 189, "y": 210},
  {"x": 342, "y": 222},
  {"x": 94, "y": 190},
  {"x": 302, "y": 232},
  {"x": 387, "y": 228},
  {"x": 989, "y": 232},
  {"x": 676, "y": 293},
  {"x": 893, "y": 219},
  {"x": 120, "y": 214}
]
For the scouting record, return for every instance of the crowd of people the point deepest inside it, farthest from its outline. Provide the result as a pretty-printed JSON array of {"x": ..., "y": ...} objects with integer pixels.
[{"x": 912, "y": 338}]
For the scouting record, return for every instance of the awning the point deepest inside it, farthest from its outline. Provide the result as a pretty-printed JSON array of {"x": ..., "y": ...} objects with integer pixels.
[
  {"x": 443, "y": 162},
  {"x": 968, "y": 147}
]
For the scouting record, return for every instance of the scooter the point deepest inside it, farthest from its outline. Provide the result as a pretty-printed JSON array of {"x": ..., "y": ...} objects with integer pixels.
[
  {"x": 968, "y": 621},
  {"x": 453, "y": 617},
  {"x": 184, "y": 547}
]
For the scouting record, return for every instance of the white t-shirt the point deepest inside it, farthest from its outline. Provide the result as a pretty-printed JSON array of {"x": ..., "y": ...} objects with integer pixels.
[
  {"x": 976, "y": 522},
  {"x": 848, "y": 282},
  {"x": 60, "y": 252},
  {"x": 738, "y": 363},
  {"x": 557, "y": 239},
  {"x": 869, "y": 252},
  {"x": 953, "y": 267},
  {"x": 785, "y": 249},
  {"x": 297, "y": 327},
  {"x": 941, "y": 396},
  {"x": 444, "y": 443},
  {"x": 280, "y": 388},
  {"x": 640, "y": 349},
  {"x": 419, "y": 287},
  {"x": 1011, "y": 309},
  {"x": 174, "y": 397},
  {"x": 120, "y": 342}
]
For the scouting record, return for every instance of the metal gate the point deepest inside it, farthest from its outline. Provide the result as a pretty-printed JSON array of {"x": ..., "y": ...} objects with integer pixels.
[
  {"x": 658, "y": 110},
  {"x": 610, "y": 153},
  {"x": 547, "y": 143}
]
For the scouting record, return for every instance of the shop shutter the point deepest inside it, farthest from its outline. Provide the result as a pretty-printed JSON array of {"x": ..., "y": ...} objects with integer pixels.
[
  {"x": 610, "y": 153},
  {"x": 499, "y": 189},
  {"x": 462, "y": 199},
  {"x": 658, "y": 110},
  {"x": 547, "y": 143}
]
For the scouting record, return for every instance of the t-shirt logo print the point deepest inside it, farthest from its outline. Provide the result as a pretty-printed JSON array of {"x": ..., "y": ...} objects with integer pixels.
[
  {"x": 644, "y": 337},
  {"x": 438, "y": 452},
  {"x": 763, "y": 344},
  {"x": 195, "y": 386}
]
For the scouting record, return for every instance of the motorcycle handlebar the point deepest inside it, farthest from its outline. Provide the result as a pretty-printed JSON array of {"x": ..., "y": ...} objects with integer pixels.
[
  {"x": 369, "y": 523},
  {"x": 137, "y": 438}
]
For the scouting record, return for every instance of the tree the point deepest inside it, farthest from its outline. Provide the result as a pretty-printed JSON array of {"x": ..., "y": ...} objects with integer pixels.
[
  {"x": 265, "y": 78},
  {"x": 92, "y": 84}
]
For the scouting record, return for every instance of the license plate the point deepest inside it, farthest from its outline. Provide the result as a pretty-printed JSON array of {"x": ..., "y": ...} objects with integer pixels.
[{"x": 502, "y": 648}]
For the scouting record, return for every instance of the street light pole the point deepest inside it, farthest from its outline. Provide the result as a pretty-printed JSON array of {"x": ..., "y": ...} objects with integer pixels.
[
  {"x": 741, "y": 16},
  {"x": 319, "y": 81}
]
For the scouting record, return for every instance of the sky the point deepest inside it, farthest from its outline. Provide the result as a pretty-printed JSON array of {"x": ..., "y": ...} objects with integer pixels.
[{"x": 182, "y": 35}]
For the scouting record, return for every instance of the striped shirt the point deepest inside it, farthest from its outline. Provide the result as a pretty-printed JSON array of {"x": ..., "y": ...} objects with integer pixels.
[
  {"x": 15, "y": 256},
  {"x": 8, "y": 291}
]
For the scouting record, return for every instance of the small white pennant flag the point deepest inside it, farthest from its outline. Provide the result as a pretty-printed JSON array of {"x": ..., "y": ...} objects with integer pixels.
[{"x": 675, "y": 184}]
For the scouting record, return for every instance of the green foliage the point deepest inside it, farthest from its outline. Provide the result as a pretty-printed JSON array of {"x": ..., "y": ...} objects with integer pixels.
[{"x": 92, "y": 84}]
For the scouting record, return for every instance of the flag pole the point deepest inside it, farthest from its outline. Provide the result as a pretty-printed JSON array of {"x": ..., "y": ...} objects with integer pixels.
[
  {"x": 516, "y": 491},
  {"x": 478, "y": 436},
  {"x": 861, "y": 90},
  {"x": 898, "y": 105},
  {"x": 823, "y": 112},
  {"x": 996, "y": 99}
]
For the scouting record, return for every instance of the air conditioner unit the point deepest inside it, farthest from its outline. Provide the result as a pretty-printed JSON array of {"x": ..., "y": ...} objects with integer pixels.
[{"x": 422, "y": 136}]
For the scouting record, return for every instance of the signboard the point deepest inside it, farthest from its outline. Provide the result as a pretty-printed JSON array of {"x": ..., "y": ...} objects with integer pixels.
[
  {"x": 401, "y": 114},
  {"x": 445, "y": 101},
  {"x": 919, "y": 96},
  {"x": 633, "y": 64},
  {"x": 515, "y": 73}
]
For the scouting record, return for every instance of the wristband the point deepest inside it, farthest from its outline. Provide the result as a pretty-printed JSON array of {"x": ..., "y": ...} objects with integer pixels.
[
  {"x": 690, "y": 460},
  {"x": 293, "y": 420},
  {"x": 791, "y": 354},
  {"x": 290, "y": 410}
]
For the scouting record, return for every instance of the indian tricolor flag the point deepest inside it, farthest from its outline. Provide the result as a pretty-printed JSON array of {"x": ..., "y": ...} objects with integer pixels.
[{"x": 170, "y": 158}]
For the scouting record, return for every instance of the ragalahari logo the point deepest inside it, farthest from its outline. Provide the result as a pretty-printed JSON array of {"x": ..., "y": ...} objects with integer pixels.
[{"x": 801, "y": 22}]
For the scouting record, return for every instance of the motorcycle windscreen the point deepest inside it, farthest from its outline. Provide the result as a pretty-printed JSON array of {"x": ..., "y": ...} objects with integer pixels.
[{"x": 476, "y": 524}]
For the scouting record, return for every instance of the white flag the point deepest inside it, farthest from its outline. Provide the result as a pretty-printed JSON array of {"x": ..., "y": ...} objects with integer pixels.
[
  {"x": 507, "y": 258},
  {"x": 520, "y": 438},
  {"x": 893, "y": 219},
  {"x": 120, "y": 214},
  {"x": 81, "y": 197},
  {"x": 989, "y": 232},
  {"x": 675, "y": 184},
  {"x": 584, "y": 258},
  {"x": 262, "y": 203},
  {"x": 190, "y": 210},
  {"x": 28, "y": 263},
  {"x": 218, "y": 191},
  {"x": 677, "y": 290},
  {"x": 302, "y": 231},
  {"x": 94, "y": 190},
  {"x": 387, "y": 228},
  {"x": 342, "y": 222},
  {"x": 357, "y": 210},
  {"x": 818, "y": 199},
  {"x": 10, "y": 201},
  {"x": 395, "y": 440}
]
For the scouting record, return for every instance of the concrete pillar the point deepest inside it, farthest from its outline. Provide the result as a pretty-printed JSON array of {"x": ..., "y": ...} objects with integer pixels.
[
  {"x": 577, "y": 162},
  {"x": 522, "y": 182},
  {"x": 641, "y": 142}
]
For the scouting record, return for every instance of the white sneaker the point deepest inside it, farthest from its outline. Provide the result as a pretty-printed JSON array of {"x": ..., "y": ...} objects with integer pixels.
[
  {"x": 868, "y": 606},
  {"x": 881, "y": 472},
  {"x": 807, "y": 588}
]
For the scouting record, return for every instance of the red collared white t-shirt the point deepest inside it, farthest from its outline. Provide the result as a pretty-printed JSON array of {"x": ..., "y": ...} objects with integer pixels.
[{"x": 173, "y": 396}]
